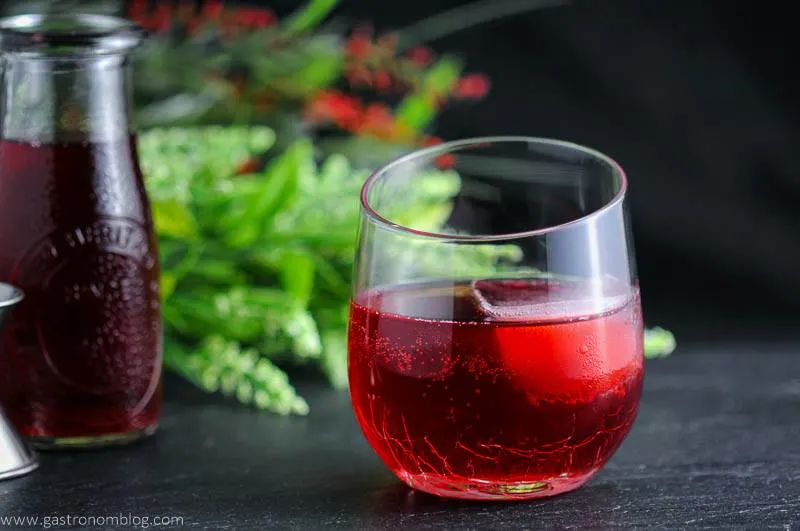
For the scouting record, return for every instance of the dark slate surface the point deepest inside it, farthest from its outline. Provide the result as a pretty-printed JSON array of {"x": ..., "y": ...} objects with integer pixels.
[{"x": 717, "y": 445}]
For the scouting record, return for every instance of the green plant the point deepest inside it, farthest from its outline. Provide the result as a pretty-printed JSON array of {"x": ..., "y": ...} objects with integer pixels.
[{"x": 256, "y": 265}]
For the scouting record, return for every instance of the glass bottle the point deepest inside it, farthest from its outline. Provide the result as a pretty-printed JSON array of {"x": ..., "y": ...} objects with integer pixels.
[{"x": 80, "y": 364}]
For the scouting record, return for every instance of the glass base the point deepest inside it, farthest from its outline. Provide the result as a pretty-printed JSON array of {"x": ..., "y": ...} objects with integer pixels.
[
  {"x": 91, "y": 442},
  {"x": 479, "y": 489}
]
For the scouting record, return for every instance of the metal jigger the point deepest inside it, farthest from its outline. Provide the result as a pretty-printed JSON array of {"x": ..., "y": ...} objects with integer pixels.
[{"x": 16, "y": 458}]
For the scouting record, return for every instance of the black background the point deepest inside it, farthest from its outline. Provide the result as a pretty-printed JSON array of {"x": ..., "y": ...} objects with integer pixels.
[{"x": 698, "y": 100}]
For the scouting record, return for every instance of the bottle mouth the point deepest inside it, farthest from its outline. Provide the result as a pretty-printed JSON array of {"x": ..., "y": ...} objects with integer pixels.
[{"x": 68, "y": 34}]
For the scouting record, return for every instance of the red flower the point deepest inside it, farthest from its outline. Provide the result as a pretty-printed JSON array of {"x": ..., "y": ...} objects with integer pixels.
[
  {"x": 137, "y": 11},
  {"x": 193, "y": 24},
  {"x": 382, "y": 81},
  {"x": 254, "y": 18},
  {"x": 212, "y": 10},
  {"x": 331, "y": 105},
  {"x": 446, "y": 161},
  {"x": 443, "y": 162},
  {"x": 358, "y": 76},
  {"x": 428, "y": 141},
  {"x": 162, "y": 18},
  {"x": 377, "y": 120},
  {"x": 351, "y": 115},
  {"x": 420, "y": 55},
  {"x": 473, "y": 86},
  {"x": 359, "y": 45}
]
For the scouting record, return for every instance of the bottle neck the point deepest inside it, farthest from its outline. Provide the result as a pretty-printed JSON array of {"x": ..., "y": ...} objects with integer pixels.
[{"x": 49, "y": 99}]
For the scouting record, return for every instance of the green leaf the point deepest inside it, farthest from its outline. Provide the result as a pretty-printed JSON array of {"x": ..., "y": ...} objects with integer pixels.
[
  {"x": 182, "y": 260},
  {"x": 334, "y": 171},
  {"x": 173, "y": 219},
  {"x": 415, "y": 112},
  {"x": 207, "y": 271},
  {"x": 333, "y": 280},
  {"x": 658, "y": 343},
  {"x": 308, "y": 16},
  {"x": 168, "y": 281},
  {"x": 311, "y": 65},
  {"x": 419, "y": 108},
  {"x": 278, "y": 187},
  {"x": 442, "y": 76},
  {"x": 297, "y": 276}
]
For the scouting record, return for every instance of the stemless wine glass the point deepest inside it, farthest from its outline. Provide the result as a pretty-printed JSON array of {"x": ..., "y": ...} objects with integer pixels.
[{"x": 495, "y": 341}]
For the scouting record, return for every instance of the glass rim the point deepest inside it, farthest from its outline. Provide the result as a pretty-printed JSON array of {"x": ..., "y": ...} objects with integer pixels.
[
  {"x": 447, "y": 147},
  {"x": 92, "y": 34}
]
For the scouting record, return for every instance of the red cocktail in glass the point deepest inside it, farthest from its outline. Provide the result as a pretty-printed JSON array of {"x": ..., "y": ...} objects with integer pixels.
[{"x": 494, "y": 388}]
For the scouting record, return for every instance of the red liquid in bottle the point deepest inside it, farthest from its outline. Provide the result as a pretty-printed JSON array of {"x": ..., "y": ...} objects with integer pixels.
[
  {"x": 82, "y": 354},
  {"x": 516, "y": 389}
]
